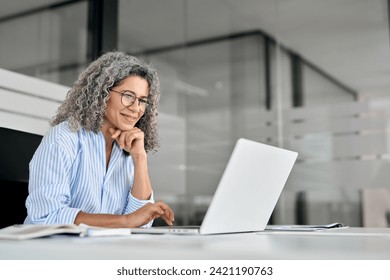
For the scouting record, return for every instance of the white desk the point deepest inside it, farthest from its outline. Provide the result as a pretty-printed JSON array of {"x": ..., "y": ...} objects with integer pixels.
[{"x": 347, "y": 244}]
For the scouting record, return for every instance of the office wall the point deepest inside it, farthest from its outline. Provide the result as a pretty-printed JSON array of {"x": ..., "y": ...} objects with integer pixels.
[
  {"x": 217, "y": 87},
  {"x": 27, "y": 103},
  {"x": 50, "y": 44}
]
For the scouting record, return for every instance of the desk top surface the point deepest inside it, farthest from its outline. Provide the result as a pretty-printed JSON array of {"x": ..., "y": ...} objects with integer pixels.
[{"x": 346, "y": 243}]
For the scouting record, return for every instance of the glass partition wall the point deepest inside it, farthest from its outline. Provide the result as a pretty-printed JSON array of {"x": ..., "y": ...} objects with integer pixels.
[
  {"x": 310, "y": 76},
  {"x": 231, "y": 81},
  {"x": 49, "y": 43},
  {"x": 273, "y": 83}
]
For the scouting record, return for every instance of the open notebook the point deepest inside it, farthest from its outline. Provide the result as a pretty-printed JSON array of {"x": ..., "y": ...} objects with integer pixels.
[{"x": 246, "y": 194}]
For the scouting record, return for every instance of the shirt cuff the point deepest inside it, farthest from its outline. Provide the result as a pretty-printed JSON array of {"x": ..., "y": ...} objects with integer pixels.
[
  {"x": 135, "y": 203},
  {"x": 68, "y": 216}
]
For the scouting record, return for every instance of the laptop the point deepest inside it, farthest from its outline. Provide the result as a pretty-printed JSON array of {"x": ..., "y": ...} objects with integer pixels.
[{"x": 247, "y": 193}]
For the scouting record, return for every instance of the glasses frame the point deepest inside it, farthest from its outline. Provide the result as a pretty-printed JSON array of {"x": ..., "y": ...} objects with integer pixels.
[{"x": 127, "y": 92}]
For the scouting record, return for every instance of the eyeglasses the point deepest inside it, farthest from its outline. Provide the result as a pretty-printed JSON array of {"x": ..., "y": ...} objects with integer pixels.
[{"x": 128, "y": 99}]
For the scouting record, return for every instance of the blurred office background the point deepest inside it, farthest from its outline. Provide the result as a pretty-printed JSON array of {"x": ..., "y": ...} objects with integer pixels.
[{"x": 307, "y": 75}]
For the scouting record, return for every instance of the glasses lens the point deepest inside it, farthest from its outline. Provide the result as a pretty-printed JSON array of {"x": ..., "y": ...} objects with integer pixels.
[
  {"x": 143, "y": 103},
  {"x": 128, "y": 99}
]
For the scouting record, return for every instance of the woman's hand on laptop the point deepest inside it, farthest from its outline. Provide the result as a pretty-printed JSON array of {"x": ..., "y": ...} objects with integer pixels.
[{"x": 149, "y": 212}]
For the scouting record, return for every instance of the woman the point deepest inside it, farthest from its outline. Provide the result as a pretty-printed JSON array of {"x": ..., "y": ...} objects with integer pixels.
[{"x": 91, "y": 167}]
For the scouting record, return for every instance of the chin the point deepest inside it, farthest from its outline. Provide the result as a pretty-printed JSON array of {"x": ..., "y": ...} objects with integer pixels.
[{"x": 126, "y": 127}]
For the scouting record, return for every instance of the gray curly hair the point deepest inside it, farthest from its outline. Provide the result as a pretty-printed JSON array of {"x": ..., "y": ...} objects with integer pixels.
[{"x": 86, "y": 101}]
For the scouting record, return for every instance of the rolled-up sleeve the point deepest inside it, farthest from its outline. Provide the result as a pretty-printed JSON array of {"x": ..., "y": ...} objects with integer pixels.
[{"x": 135, "y": 203}]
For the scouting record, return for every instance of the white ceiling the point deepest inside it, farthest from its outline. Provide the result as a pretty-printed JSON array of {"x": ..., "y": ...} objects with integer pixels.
[{"x": 349, "y": 39}]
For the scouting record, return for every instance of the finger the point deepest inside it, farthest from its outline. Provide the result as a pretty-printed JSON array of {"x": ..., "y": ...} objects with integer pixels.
[
  {"x": 119, "y": 136},
  {"x": 155, "y": 216},
  {"x": 167, "y": 210},
  {"x": 135, "y": 135},
  {"x": 115, "y": 133},
  {"x": 112, "y": 130},
  {"x": 163, "y": 205},
  {"x": 167, "y": 220},
  {"x": 121, "y": 140},
  {"x": 154, "y": 208},
  {"x": 129, "y": 138},
  {"x": 171, "y": 215}
]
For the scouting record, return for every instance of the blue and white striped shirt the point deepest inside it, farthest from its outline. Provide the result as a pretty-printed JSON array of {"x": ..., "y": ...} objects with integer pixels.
[{"x": 68, "y": 174}]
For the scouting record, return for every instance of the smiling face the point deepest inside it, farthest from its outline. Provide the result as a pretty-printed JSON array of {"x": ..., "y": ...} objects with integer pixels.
[{"x": 117, "y": 115}]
